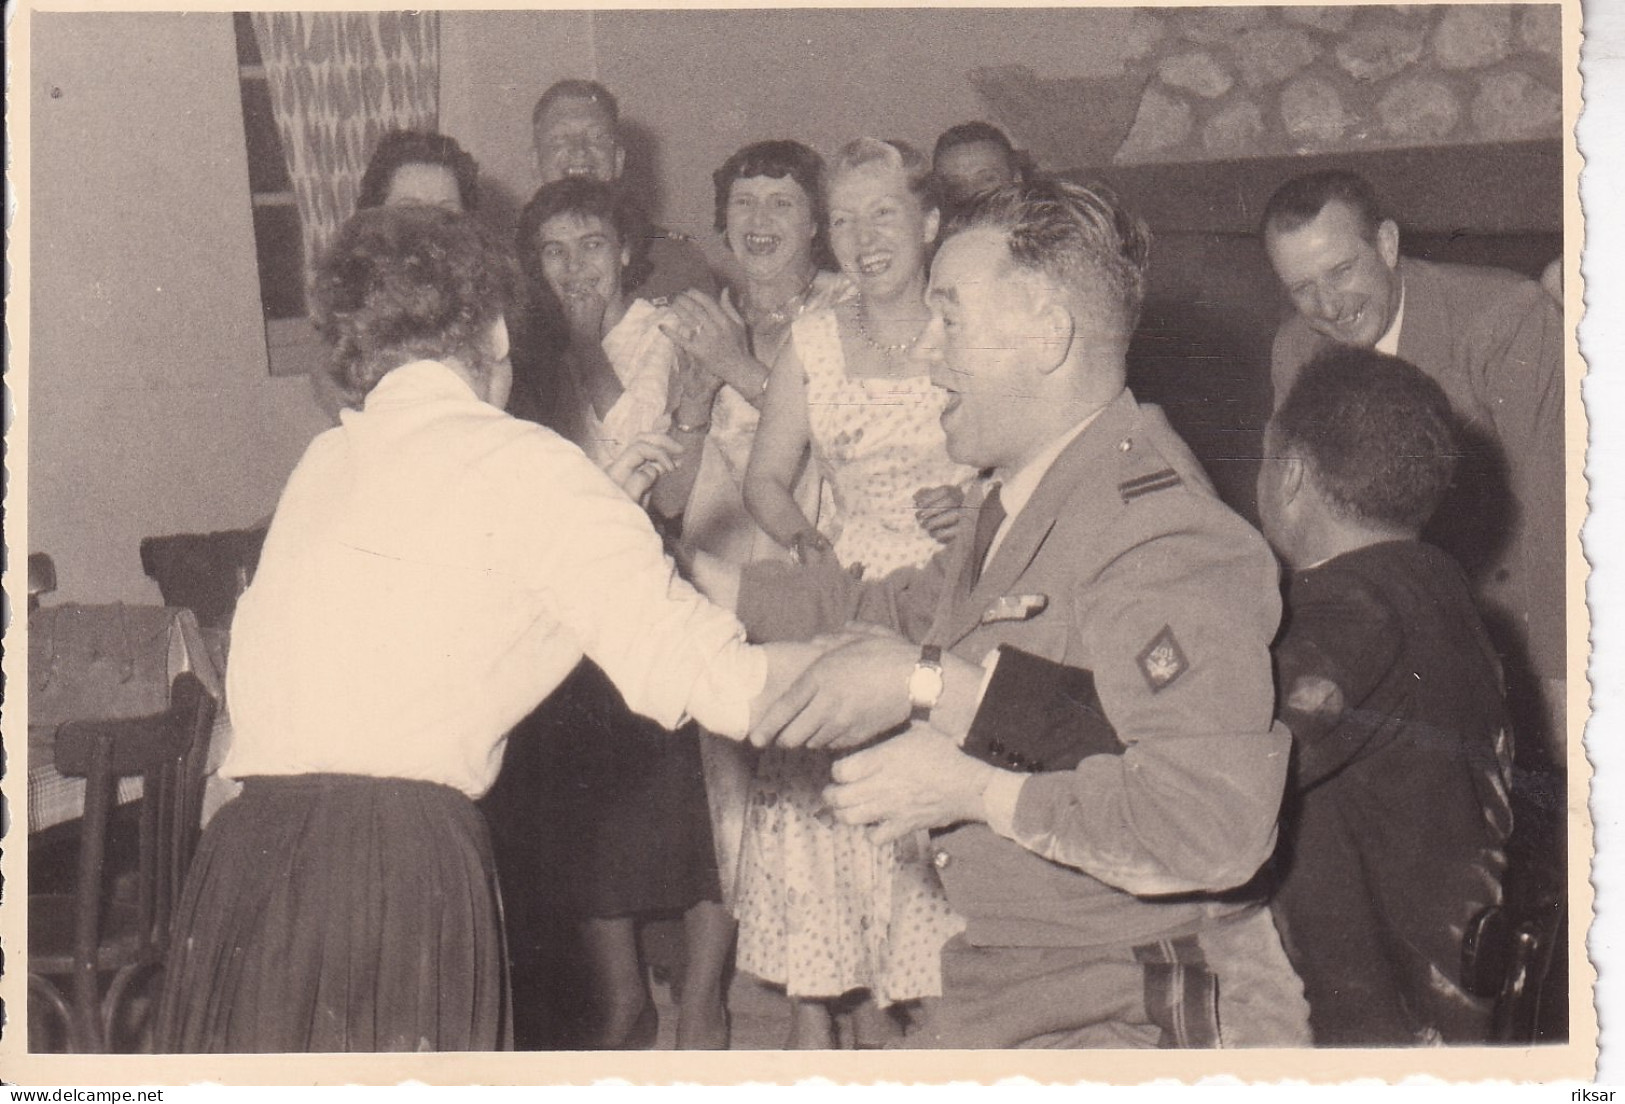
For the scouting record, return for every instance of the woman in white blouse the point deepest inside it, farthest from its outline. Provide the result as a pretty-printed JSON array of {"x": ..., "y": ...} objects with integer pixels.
[
  {"x": 404, "y": 616},
  {"x": 620, "y": 376}
]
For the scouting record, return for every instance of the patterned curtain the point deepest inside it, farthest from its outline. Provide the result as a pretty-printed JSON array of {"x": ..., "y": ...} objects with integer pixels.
[{"x": 339, "y": 82}]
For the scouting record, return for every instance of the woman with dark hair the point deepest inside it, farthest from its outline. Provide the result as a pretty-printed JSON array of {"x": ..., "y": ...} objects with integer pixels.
[
  {"x": 582, "y": 245},
  {"x": 770, "y": 212},
  {"x": 433, "y": 570},
  {"x": 409, "y": 168},
  {"x": 419, "y": 167},
  {"x": 636, "y": 795}
]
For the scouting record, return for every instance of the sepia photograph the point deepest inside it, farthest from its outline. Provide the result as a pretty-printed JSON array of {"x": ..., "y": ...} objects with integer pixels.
[{"x": 557, "y": 538}]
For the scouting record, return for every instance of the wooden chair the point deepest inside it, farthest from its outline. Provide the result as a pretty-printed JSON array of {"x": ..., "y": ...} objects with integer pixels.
[
  {"x": 77, "y": 939},
  {"x": 1516, "y": 958}
]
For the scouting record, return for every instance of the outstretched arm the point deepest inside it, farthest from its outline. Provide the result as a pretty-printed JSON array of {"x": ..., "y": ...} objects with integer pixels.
[
  {"x": 858, "y": 692},
  {"x": 1178, "y": 627}
]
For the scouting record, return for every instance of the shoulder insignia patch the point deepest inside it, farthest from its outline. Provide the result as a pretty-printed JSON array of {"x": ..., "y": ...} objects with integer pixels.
[
  {"x": 1131, "y": 489},
  {"x": 1163, "y": 660}
]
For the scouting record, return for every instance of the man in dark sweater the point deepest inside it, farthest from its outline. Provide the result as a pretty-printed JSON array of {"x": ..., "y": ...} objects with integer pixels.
[{"x": 1397, "y": 814}]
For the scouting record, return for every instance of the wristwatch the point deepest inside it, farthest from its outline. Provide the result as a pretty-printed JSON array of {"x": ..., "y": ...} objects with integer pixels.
[{"x": 925, "y": 684}]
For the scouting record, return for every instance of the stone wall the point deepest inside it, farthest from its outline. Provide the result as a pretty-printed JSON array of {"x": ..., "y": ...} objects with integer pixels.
[{"x": 1261, "y": 81}]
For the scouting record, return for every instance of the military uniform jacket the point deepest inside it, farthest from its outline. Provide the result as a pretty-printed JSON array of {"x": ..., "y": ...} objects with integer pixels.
[
  {"x": 1494, "y": 341},
  {"x": 1124, "y": 564}
]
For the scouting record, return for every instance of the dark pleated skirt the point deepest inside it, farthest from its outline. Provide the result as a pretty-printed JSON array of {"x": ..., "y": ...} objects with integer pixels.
[{"x": 339, "y": 913}]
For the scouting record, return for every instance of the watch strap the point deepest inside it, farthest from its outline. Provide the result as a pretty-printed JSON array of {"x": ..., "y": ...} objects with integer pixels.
[{"x": 930, "y": 661}]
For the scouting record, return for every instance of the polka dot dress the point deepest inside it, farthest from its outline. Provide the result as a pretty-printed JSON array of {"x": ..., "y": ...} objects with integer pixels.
[
  {"x": 821, "y": 909},
  {"x": 876, "y": 440}
]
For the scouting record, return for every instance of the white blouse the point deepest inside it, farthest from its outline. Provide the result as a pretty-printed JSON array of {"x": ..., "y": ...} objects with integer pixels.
[
  {"x": 434, "y": 569},
  {"x": 644, "y": 360}
]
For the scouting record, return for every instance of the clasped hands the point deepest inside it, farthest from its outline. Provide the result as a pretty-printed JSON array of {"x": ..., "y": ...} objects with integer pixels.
[{"x": 852, "y": 695}]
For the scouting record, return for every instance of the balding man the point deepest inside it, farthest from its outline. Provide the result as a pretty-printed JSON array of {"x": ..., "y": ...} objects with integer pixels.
[
  {"x": 1091, "y": 849},
  {"x": 1494, "y": 341}
]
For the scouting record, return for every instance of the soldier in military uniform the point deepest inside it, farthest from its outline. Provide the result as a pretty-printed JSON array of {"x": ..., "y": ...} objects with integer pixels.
[{"x": 1089, "y": 849}]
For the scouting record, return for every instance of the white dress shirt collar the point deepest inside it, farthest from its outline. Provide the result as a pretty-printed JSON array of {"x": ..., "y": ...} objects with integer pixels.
[{"x": 1389, "y": 342}]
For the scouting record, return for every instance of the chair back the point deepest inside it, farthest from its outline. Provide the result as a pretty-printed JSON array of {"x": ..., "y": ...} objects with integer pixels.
[
  {"x": 168, "y": 750},
  {"x": 205, "y": 572}
]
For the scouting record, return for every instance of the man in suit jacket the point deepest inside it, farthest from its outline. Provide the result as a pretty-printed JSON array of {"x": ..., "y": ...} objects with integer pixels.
[
  {"x": 1094, "y": 886},
  {"x": 1494, "y": 341}
]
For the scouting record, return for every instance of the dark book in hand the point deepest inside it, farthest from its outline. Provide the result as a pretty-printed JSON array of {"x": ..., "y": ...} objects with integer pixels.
[{"x": 1039, "y": 715}]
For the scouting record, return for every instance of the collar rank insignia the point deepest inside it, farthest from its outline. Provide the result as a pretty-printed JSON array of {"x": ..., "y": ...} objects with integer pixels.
[
  {"x": 1163, "y": 660},
  {"x": 1016, "y": 607}
]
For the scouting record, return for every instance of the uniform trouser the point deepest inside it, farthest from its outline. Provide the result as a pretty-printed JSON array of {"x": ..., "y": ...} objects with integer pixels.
[{"x": 1227, "y": 986}]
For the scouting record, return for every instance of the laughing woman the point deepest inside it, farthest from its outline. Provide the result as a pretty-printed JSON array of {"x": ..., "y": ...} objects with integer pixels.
[
  {"x": 637, "y": 810},
  {"x": 820, "y": 908},
  {"x": 770, "y": 211}
]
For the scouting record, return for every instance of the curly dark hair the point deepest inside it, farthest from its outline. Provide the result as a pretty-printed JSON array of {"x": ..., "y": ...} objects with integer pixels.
[
  {"x": 586, "y": 199},
  {"x": 779, "y": 158},
  {"x": 417, "y": 147},
  {"x": 1377, "y": 436},
  {"x": 409, "y": 283}
]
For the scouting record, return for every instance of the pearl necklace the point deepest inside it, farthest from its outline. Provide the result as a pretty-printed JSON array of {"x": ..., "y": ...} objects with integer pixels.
[{"x": 869, "y": 338}]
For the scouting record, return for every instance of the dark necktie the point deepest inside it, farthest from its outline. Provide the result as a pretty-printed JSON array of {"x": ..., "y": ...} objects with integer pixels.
[{"x": 988, "y": 519}]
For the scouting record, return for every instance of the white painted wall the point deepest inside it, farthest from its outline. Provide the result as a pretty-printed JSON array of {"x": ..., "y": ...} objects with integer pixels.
[{"x": 150, "y": 406}]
